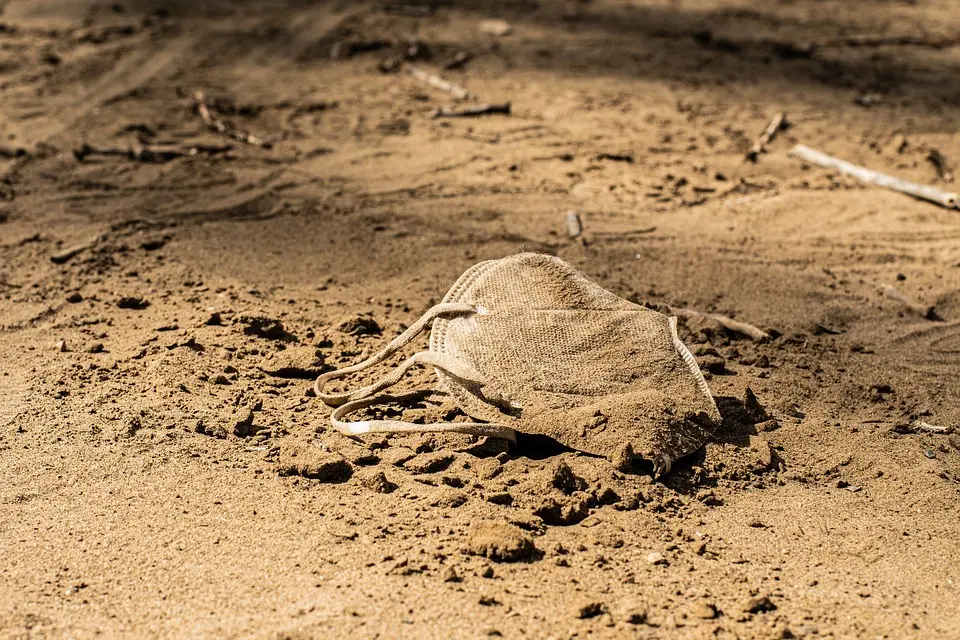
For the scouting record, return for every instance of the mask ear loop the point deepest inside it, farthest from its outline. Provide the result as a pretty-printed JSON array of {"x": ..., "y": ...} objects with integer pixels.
[
  {"x": 359, "y": 427},
  {"x": 347, "y": 402},
  {"x": 337, "y": 399}
]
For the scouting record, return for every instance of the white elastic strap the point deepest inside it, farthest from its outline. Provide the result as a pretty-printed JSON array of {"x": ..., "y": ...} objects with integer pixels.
[
  {"x": 694, "y": 368},
  {"x": 349, "y": 401},
  {"x": 336, "y": 399},
  {"x": 359, "y": 427}
]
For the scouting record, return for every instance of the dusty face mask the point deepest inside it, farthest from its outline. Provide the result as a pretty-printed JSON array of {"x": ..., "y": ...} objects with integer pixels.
[{"x": 527, "y": 343}]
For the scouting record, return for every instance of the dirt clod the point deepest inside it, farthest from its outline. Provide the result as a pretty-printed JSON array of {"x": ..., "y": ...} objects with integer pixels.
[
  {"x": 360, "y": 326},
  {"x": 564, "y": 511},
  {"x": 429, "y": 462},
  {"x": 306, "y": 460},
  {"x": 133, "y": 302},
  {"x": 759, "y": 604},
  {"x": 590, "y": 609},
  {"x": 499, "y": 542},
  {"x": 377, "y": 481},
  {"x": 563, "y": 478}
]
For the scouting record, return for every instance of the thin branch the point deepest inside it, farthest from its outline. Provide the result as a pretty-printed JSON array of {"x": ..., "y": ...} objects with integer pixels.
[
  {"x": 574, "y": 224},
  {"x": 868, "y": 176},
  {"x": 149, "y": 154},
  {"x": 930, "y": 313},
  {"x": 760, "y": 146},
  {"x": 473, "y": 112},
  {"x": 220, "y": 126},
  {"x": 735, "y": 326},
  {"x": 437, "y": 82},
  {"x": 940, "y": 163}
]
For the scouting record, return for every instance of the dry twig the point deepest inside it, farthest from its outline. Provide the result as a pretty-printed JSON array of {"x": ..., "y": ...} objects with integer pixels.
[
  {"x": 140, "y": 153},
  {"x": 926, "y": 427},
  {"x": 437, "y": 82},
  {"x": 760, "y": 146},
  {"x": 223, "y": 127},
  {"x": 868, "y": 176},
  {"x": 735, "y": 326},
  {"x": 574, "y": 224},
  {"x": 64, "y": 256},
  {"x": 472, "y": 112},
  {"x": 939, "y": 162},
  {"x": 930, "y": 313},
  {"x": 12, "y": 152}
]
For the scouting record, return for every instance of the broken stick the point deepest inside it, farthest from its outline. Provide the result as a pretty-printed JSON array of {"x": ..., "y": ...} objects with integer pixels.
[
  {"x": 436, "y": 81},
  {"x": 148, "y": 153},
  {"x": 939, "y": 162},
  {"x": 574, "y": 224},
  {"x": 930, "y": 313},
  {"x": 760, "y": 146},
  {"x": 472, "y": 112},
  {"x": 65, "y": 255},
  {"x": 869, "y": 176},
  {"x": 927, "y": 427},
  {"x": 220, "y": 126},
  {"x": 735, "y": 326},
  {"x": 12, "y": 152}
]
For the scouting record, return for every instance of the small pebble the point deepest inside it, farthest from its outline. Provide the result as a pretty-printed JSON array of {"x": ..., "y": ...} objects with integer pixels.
[{"x": 590, "y": 610}]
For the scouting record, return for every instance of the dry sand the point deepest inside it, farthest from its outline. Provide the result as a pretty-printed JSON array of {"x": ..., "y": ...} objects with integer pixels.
[{"x": 164, "y": 470}]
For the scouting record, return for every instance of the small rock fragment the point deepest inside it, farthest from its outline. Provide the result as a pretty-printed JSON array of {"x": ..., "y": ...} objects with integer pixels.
[
  {"x": 487, "y": 468},
  {"x": 74, "y": 298},
  {"x": 495, "y": 27},
  {"x": 378, "y": 481},
  {"x": 501, "y": 498},
  {"x": 713, "y": 364},
  {"x": 656, "y": 558},
  {"x": 241, "y": 424},
  {"x": 267, "y": 328},
  {"x": 564, "y": 512},
  {"x": 429, "y": 462},
  {"x": 767, "y": 425},
  {"x": 705, "y": 611},
  {"x": 397, "y": 456},
  {"x": 451, "y": 575},
  {"x": 65, "y": 255},
  {"x": 449, "y": 498},
  {"x": 563, "y": 478},
  {"x": 152, "y": 244},
  {"x": 590, "y": 610},
  {"x": 606, "y": 495},
  {"x": 296, "y": 362},
  {"x": 133, "y": 302},
  {"x": 214, "y": 431},
  {"x": 61, "y": 346},
  {"x": 755, "y": 410},
  {"x": 499, "y": 542},
  {"x": 360, "y": 326},
  {"x": 764, "y": 457},
  {"x": 634, "y": 613},
  {"x": 760, "y": 604},
  {"x": 302, "y": 459}
]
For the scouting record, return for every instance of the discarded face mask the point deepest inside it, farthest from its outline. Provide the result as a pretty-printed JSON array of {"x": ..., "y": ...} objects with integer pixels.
[{"x": 527, "y": 343}]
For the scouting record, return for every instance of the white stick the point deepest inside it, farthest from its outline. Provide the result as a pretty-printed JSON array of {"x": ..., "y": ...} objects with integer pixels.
[
  {"x": 574, "y": 224},
  {"x": 728, "y": 323},
  {"x": 868, "y": 176},
  {"x": 436, "y": 81}
]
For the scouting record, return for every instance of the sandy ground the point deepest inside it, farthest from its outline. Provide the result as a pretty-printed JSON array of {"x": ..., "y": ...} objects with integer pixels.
[{"x": 154, "y": 382}]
